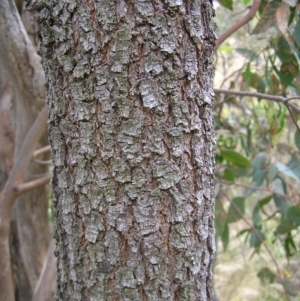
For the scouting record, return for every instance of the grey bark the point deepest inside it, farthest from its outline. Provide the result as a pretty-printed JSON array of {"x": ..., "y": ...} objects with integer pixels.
[{"x": 129, "y": 86}]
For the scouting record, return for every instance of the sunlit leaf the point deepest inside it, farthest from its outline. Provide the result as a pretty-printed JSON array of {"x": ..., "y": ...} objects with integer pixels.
[
  {"x": 235, "y": 158},
  {"x": 294, "y": 164},
  {"x": 236, "y": 209},
  {"x": 286, "y": 170}
]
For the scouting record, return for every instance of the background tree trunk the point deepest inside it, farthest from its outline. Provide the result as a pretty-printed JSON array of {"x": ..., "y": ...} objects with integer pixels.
[{"x": 130, "y": 94}]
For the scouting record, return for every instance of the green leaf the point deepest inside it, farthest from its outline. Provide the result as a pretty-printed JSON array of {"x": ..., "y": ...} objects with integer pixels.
[
  {"x": 267, "y": 18},
  {"x": 282, "y": 228},
  {"x": 272, "y": 173},
  {"x": 280, "y": 202},
  {"x": 279, "y": 186},
  {"x": 247, "y": 74},
  {"x": 256, "y": 238},
  {"x": 256, "y": 217},
  {"x": 265, "y": 200},
  {"x": 246, "y": 2},
  {"x": 290, "y": 67},
  {"x": 225, "y": 237},
  {"x": 259, "y": 177},
  {"x": 260, "y": 161},
  {"x": 228, "y": 175},
  {"x": 296, "y": 34},
  {"x": 289, "y": 245},
  {"x": 220, "y": 217},
  {"x": 236, "y": 209},
  {"x": 292, "y": 216},
  {"x": 226, "y": 3},
  {"x": 294, "y": 164},
  {"x": 297, "y": 136},
  {"x": 235, "y": 158},
  {"x": 266, "y": 275},
  {"x": 286, "y": 170}
]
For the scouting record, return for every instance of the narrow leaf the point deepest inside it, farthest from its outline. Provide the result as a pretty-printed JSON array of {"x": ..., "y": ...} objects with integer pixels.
[
  {"x": 267, "y": 18},
  {"x": 235, "y": 158},
  {"x": 236, "y": 209}
]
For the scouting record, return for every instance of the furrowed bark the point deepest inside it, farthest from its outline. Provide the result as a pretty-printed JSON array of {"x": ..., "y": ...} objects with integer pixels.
[{"x": 129, "y": 87}]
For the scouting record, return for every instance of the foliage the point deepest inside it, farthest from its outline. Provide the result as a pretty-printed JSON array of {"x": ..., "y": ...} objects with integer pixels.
[{"x": 258, "y": 150}]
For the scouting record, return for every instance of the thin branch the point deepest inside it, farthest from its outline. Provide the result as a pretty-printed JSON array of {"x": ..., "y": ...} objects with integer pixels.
[
  {"x": 278, "y": 99},
  {"x": 32, "y": 184},
  {"x": 42, "y": 150},
  {"x": 46, "y": 280},
  {"x": 44, "y": 162},
  {"x": 262, "y": 242},
  {"x": 291, "y": 114},
  {"x": 256, "y": 188},
  {"x": 19, "y": 169},
  {"x": 239, "y": 24}
]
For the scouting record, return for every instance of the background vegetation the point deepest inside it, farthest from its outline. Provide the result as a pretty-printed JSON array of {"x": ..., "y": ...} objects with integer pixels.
[{"x": 258, "y": 158}]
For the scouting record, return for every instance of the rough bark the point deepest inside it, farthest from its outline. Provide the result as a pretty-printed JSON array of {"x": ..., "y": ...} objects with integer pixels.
[
  {"x": 129, "y": 87},
  {"x": 30, "y": 231}
]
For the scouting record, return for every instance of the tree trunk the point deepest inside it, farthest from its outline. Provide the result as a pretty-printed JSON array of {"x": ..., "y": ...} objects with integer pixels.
[{"x": 129, "y": 87}]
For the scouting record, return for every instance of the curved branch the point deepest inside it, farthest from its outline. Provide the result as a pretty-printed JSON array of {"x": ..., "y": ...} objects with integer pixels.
[
  {"x": 279, "y": 99},
  {"x": 239, "y": 24}
]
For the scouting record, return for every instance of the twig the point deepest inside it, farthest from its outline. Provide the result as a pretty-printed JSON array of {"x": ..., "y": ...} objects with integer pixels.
[
  {"x": 278, "y": 99},
  {"x": 291, "y": 114},
  {"x": 41, "y": 151},
  {"x": 239, "y": 24},
  {"x": 256, "y": 188},
  {"x": 32, "y": 184},
  {"x": 262, "y": 242}
]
